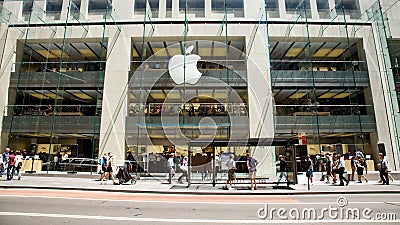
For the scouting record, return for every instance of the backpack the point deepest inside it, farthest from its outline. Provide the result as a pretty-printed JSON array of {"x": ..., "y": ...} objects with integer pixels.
[
  {"x": 103, "y": 161},
  {"x": 253, "y": 164}
]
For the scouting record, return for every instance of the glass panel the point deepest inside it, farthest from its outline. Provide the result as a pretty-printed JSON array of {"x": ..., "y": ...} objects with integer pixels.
[
  {"x": 140, "y": 7},
  {"x": 99, "y": 7},
  {"x": 195, "y": 7},
  {"x": 56, "y": 94},
  {"x": 293, "y": 6},
  {"x": 272, "y": 8},
  {"x": 234, "y": 7},
  {"x": 350, "y": 8},
  {"x": 53, "y": 9}
]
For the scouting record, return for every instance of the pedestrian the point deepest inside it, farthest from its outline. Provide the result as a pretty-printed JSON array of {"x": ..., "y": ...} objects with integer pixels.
[
  {"x": 310, "y": 171},
  {"x": 252, "y": 168},
  {"x": 205, "y": 167},
  {"x": 65, "y": 156},
  {"x": 184, "y": 169},
  {"x": 328, "y": 167},
  {"x": 103, "y": 166},
  {"x": 109, "y": 170},
  {"x": 18, "y": 163},
  {"x": 231, "y": 164},
  {"x": 360, "y": 169},
  {"x": 341, "y": 170},
  {"x": 11, "y": 165},
  {"x": 170, "y": 167},
  {"x": 282, "y": 168},
  {"x": 353, "y": 164},
  {"x": 334, "y": 167},
  {"x": 191, "y": 109},
  {"x": 5, "y": 161},
  {"x": 383, "y": 173}
]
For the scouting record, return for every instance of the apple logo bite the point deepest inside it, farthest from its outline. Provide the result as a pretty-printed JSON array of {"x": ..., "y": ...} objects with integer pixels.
[{"x": 176, "y": 68}]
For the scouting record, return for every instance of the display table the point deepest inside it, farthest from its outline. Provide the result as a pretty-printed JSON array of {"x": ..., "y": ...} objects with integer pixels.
[{"x": 27, "y": 165}]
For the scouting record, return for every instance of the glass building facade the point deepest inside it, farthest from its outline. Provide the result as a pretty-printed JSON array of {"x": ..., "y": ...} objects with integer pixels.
[{"x": 141, "y": 78}]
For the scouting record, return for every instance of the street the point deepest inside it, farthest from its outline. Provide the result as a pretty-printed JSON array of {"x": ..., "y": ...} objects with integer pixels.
[{"x": 43, "y": 206}]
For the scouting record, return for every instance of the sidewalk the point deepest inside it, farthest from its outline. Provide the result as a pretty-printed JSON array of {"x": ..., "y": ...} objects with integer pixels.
[{"x": 160, "y": 186}]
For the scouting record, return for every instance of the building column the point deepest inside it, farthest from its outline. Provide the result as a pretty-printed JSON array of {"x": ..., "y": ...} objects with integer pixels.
[
  {"x": 332, "y": 6},
  {"x": 386, "y": 128},
  {"x": 314, "y": 9},
  {"x": 7, "y": 64},
  {"x": 208, "y": 9},
  {"x": 84, "y": 9},
  {"x": 162, "y": 9},
  {"x": 260, "y": 102},
  {"x": 15, "y": 8},
  {"x": 175, "y": 9},
  {"x": 114, "y": 106},
  {"x": 282, "y": 9},
  {"x": 64, "y": 10},
  {"x": 124, "y": 9}
]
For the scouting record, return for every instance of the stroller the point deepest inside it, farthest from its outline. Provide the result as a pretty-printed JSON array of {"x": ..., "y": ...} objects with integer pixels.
[{"x": 123, "y": 175}]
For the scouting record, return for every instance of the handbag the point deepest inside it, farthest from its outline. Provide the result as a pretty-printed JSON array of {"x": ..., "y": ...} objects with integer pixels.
[{"x": 183, "y": 168}]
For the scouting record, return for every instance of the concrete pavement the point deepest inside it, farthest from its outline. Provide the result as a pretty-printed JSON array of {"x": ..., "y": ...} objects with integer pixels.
[{"x": 160, "y": 186}]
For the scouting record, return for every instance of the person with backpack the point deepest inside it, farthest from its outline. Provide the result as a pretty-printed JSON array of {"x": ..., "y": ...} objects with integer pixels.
[
  {"x": 107, "y": 166},
  {"x": 252, "y": 167}
]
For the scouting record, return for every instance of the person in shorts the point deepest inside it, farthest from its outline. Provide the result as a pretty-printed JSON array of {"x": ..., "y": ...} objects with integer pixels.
[
  {"x": 252, "y": 167},
  {"x": 310, "y": 169},
  {"x": 231, "y": 164}
]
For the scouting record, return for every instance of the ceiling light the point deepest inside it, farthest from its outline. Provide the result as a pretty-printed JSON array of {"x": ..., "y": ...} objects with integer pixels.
[
  {"x": 335, "y": 53},
  {"x": 293, "y": 52},
  {"x": 342, "y": 95},
  {"x": 328, "y": 95},
  {"x": 297, "y": 95},
  {"x": 322, "y": 52}
]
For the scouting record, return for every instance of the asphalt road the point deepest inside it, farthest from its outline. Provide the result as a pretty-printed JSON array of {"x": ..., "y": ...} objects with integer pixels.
[{"x": 34, "y": 207}]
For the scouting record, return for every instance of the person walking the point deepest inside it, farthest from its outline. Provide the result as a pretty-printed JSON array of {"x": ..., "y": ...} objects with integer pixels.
[
  {"x": 360, "y": 169},
  {"x": 252, "y": 168},
  {"x": 310, "y": 171},
  {"x": 5, "y": 156},
  {"x": 341, "y": 170},
  {"x": 184, "y": 169},
  {"x": 170, "y": 167},
  {"x": 109, "y": 170},
  {"x": 231, "y": 164},
  {"x": 383, "y": 173},
  {"x": 282, "y": 168},
  {"x": 18, "y": 163},
  {"x": 103, "y": 166},
  {"x": 328, "y": 167},
  {"x": 353, "y": 164},
  {"x": 11, "y": 165}
]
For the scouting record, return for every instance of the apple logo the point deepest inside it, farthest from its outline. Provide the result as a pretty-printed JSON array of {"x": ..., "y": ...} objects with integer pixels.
[{"x": 176, "y": 68}]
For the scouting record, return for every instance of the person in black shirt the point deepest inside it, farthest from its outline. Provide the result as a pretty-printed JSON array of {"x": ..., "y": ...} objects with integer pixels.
[{"x": 283, "y": 168}]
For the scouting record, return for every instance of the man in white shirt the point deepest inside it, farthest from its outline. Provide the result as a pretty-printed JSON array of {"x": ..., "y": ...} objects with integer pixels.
[
  {"x": 65, "y": 156},
  {"x": 341, "y": 170},
  {"x": 170, "y": 166},
  {"x": 231, "y": 164}
]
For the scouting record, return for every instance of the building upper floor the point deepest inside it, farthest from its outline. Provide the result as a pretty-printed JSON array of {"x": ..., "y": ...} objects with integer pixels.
[{"x": 139, "y": 10}]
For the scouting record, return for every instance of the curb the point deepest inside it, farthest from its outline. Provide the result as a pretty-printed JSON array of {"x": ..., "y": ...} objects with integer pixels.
[{"x": 236, "y": 192}]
